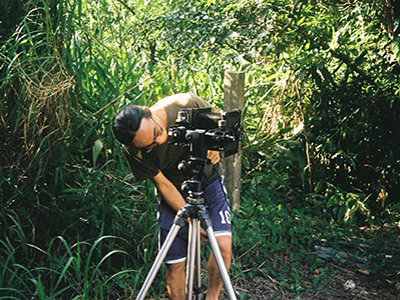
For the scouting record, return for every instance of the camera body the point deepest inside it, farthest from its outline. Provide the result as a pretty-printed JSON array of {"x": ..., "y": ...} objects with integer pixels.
[{"x": 203, "y": 130}]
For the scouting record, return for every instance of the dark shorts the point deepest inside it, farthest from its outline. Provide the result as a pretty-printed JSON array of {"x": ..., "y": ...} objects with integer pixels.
[{"x": 215, "y": 197}]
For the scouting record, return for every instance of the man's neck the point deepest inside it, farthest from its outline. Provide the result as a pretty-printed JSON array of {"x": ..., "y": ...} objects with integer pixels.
[{"x": 160, "y": 115}]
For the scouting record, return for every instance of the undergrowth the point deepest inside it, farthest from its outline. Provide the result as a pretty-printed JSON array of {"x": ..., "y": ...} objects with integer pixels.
[{"x": 277, "y": 235}]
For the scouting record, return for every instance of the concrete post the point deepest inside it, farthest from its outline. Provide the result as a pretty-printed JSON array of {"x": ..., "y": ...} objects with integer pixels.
[{"x": 233, "y": 99}]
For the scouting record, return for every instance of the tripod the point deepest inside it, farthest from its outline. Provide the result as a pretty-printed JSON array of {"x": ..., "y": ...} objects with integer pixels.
[{"x": 197, "y": 212}]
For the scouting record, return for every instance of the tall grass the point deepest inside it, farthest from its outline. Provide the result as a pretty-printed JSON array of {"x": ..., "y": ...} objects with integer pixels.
[
  {"x": 66, "y": 204},
  {"x": 66, "y": 272}
]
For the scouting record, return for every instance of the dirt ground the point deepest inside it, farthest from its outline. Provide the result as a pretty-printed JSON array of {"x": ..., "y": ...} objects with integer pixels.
[
  {"x": 360, "y": 286},
  {"x": 346, "y": 282}
]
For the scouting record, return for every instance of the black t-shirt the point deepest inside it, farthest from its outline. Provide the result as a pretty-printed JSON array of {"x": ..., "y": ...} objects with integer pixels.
[{"x": 167, "y": 156}]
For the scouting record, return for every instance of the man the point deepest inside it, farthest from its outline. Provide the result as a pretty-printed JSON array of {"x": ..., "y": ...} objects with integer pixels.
[{"x": 144, "y": 133}]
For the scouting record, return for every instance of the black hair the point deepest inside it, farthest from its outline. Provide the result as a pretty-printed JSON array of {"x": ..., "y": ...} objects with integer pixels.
[{"x": 126, "y": 123}]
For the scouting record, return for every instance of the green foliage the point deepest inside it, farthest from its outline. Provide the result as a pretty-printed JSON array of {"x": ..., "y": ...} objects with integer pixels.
[
  {"x": 65, "y": 271},
  {"x": 320, "y": 116}
]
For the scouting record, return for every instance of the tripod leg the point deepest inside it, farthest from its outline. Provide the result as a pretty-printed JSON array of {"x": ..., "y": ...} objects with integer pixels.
[
  {"x": 158, "y": 261},
  {"x": 219, "y": 259},
  {"x": 198, "y": 265},
  {"x": 194, "y": 229}
]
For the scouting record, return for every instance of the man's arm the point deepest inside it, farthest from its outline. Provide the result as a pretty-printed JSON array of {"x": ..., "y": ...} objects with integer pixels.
[{"x": 168, "y": 191}]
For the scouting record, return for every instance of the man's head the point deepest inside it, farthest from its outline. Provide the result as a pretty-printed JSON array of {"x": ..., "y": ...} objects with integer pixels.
[{"x": 135, "y": 126}]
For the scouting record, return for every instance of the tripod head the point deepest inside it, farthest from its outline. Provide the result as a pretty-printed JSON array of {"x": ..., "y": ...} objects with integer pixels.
[{"x": 201, "y": 130}]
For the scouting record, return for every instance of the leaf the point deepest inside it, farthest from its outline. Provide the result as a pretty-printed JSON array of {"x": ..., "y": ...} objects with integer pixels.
[
  {"x": 98, "y": 145},
  {"x": 365, "y": 272},
  {"x": 396, "y": 48}
]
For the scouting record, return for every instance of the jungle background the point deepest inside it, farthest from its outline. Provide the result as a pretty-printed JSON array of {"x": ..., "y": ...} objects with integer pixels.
[{"x": 319, "y": 216}]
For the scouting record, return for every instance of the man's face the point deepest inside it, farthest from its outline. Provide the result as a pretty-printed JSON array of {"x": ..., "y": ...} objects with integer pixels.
[{"x": 149, "y": 135}]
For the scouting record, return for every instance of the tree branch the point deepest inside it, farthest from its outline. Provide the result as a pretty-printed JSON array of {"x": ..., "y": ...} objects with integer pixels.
[
  {"x": 127, "y": 7},
  {"x": 352, "y": 66}
]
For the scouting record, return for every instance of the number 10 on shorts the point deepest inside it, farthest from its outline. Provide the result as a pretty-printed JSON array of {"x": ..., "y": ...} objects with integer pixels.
[{"x": 225, "y": 217}]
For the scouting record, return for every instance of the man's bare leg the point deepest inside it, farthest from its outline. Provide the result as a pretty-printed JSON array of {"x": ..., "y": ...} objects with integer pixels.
[
  {"x": 176, "y": 280},
  {"x": 215, "y": 282}
]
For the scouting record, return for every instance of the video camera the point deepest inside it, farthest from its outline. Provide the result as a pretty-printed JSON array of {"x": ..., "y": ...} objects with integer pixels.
[{"x": 202, "y": 130}]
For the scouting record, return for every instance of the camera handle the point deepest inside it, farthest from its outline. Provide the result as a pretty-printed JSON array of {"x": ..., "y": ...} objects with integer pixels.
[{"x": 198, "y": 214}]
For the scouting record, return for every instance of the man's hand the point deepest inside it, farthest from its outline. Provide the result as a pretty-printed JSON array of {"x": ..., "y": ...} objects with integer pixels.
[{"x": 213, "y": 156}]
